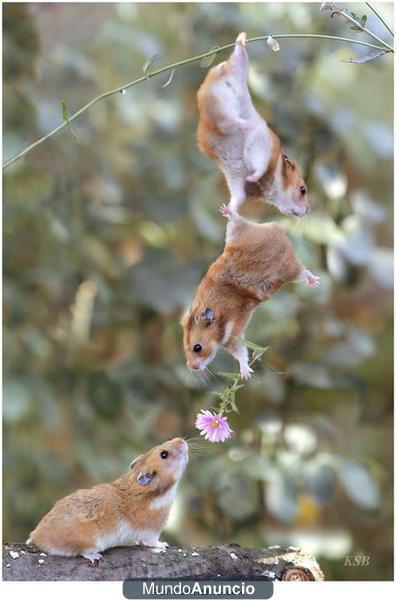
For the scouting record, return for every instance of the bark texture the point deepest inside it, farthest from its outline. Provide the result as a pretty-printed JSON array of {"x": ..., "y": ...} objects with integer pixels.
[{"x": 27, "y": 563}]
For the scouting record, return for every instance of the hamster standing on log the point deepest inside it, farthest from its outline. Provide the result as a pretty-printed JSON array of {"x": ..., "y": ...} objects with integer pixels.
[
  {"x": 134, "y": 507},
  {"x": 257, "y": 260},
  {"x": 233, "y": 134}
]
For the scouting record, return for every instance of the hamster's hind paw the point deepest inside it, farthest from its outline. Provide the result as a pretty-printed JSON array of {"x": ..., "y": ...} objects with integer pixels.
[
  {"x": 242, "y": 39},
  {"x": 93, "y": 557},
  {"x": 313, "y": 281},
  {"x": 246, "y": 371}
]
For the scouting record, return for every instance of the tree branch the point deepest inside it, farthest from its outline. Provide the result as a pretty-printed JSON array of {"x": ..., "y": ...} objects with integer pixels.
[
  {"x": 118, "y": 564},
  {"x": 170, "y": 67}
]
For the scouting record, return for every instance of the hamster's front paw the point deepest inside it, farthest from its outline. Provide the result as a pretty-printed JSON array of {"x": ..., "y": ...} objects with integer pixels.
[
  {"x": 226, "y": 211},
  {"x": 246, "y": 371},
  {"x": 93, "y": 557}
]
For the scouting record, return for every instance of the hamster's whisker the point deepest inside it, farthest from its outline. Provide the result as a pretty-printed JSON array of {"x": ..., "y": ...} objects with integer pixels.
[
  {"x": 205, "y": 378},
  {"x": 201, "y": 378},
  {"x": 213, "y": 374},
  {"x": 199, "y": 451},
  {"x": 196, "y": 448}
]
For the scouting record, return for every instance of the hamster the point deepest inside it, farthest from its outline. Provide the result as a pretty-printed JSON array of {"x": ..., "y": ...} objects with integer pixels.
[
  {"x": 257, "y": 260},
  {"x": 233, "y": 134},
  {"x": 134, "y": 507}
]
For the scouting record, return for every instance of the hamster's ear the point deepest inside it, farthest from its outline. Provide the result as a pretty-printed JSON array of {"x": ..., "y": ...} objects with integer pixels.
[
  {"x": 145, "y": 478},
  {"x": 207, "y": 315},
  {"x": 133, "y": 463},
  {"x": 185, "y": 317},
  {"x": 289, "y": 162}
]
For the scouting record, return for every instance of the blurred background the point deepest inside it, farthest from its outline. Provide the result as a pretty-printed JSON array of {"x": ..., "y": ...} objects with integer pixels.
[{"x": 106, "y": 238}]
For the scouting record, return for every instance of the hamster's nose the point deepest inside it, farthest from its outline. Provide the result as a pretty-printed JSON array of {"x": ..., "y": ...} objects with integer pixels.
[
  {"x": 180, "y": 444},
  {"x": 300, "y": 212}
]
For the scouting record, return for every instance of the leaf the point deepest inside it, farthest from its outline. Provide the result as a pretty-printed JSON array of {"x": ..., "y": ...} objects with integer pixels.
[
  {"x": 150, "y": 61},
  {"x": 64, "y": 111},
  {"x": 273, "y": 44},
  {"x": 359, "y": 484},
  {"x": 208, "y": 60},
  {"x": 320, "y": 483},
  {"x": 275, "y": 371},
  {"x": 169, "y": 80},
  {"x": 236, "y": 495},
  {"x": 362, "y": 59},
  {"x": 251, "y": 345},
  {"x": 65, "y": 116},
  {"x": 233, "y": 404},
  {"x": 281, "y": 498},
  {"x": 229, "y": 375}
]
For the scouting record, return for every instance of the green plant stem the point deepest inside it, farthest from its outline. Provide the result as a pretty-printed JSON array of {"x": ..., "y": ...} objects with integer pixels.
[
  {"x": 371, "y": 7},
  {"x": 370, "y": 33},
  {"x": 180, "y": 63},
  {"x": 228, "y": 390}
]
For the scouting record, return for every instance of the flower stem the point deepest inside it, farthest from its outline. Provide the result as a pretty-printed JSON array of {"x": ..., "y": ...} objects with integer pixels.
[
  {"x": 229, "y": 391},
  {"x": 371, "y": 7},
  {"x": 180, "y": 63},
  {"x": 363, "y": 28}
]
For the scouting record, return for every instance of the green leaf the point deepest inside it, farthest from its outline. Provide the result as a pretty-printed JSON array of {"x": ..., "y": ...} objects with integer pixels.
[
  {"x": 208, "y": 60},
  {"x": 154, "y": 58},
  {"x": 234, "y": 407},
  {"x": 65, "y": 116},
  {"x": 275, "y": 371},
  {"x": 251, "y": 345},
  {"x": 169, "y": 80},
  {"x": 229, "y": 375},
  {"x": 64, "y": 111}
]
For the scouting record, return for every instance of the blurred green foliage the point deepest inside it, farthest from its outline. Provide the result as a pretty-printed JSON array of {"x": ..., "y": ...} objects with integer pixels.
[{"x": 105, "y": 240}]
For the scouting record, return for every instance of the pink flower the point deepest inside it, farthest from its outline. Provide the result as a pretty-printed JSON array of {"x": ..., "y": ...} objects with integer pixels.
[{"x": 214, "y": 427}]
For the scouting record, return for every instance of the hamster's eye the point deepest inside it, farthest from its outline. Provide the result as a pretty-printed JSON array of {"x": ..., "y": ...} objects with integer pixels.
[
  {"x": 197, "y": 348},
  {"x": 164, "y": 454},
  {"x": 303, "y": 190}
]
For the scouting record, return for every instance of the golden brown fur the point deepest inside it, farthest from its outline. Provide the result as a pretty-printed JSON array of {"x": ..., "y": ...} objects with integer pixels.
[
  {"x": 234, "y": 135},
  {"x": 82, "y": 522},
  {"x": 257, "y": 260}
]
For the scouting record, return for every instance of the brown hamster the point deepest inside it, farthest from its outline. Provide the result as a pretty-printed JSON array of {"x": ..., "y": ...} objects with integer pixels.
[
  {"x": 233, "y": 134},
  {"x": 257, "y": 260},
  {"x": 134, "y": 507}
]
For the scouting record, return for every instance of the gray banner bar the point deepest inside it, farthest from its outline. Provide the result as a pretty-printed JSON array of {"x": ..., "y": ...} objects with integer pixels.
[{"x": 183, "y": 589}]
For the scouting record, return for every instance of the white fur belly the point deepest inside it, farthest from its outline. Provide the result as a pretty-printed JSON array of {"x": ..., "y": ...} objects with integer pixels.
[{"x": 123, "y": 535}]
